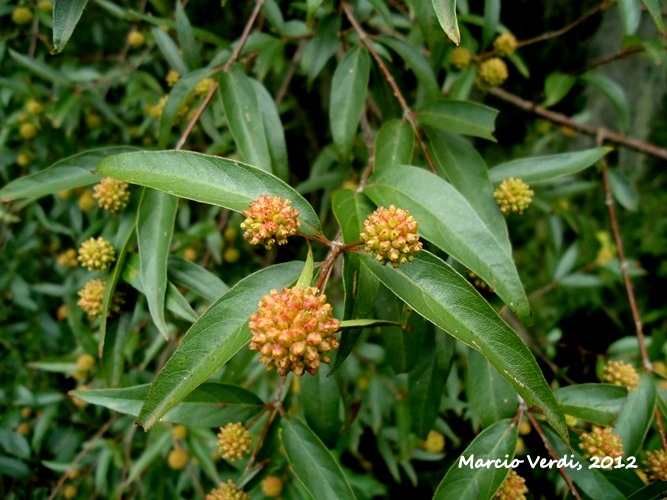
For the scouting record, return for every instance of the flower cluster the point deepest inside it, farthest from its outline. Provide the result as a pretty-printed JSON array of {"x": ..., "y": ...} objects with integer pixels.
[
  {"x": 491, "y": 73},
  {"x": 390, "y": 235},
  {"x": 68, "y": 258},
  {"x": 293, "y": 330},
  {"x": 178, "y": 459},
  {"x": 96, "y": 254},
  {"x": 270, "y": 220},
  {"x": 655, "y": 465},
  {"x": 435, "y": 442},
  {"x": 513, "y": 195},
  {"x": 234, "y": 441},
  {"x": 228, "y": 491},
  {"x": 513, "y": 488},
  {"x": 460, "y": 57},
  {"x": 505, "y": 44},
  {"x": 21, "y": 15},
  {"x": 112, "y": 194},
  {"x": 620, "y": 373},
  {"x": 601, "y": 442},
  {"x": 91, "y": 297}
]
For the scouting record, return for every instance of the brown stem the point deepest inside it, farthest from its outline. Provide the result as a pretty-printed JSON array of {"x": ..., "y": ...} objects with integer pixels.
[
  {"x": 81, "y": 454},
  {"x": 552, "y": 452},
  {"x": 621, "y": 54},
  {"x": 290, "y": 72},
  {"x": 661, "y": 429},
  {"x": 407, "y": 112},
  {"x": 228, "y": 65},
  {"x": 592, "y": 130},
  {"x": 609, "y": 201}
]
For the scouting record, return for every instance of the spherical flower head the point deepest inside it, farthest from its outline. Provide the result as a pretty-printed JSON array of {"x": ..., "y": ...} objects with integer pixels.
[
  {"x": 234, "y": 441},
  {"x": 491, "y": 73},
  {"x": 655, "y": 465},
  {"x": 28, "y": 130},
  {"x": 86, "y": 201},
  {"x": 33, "y": 107},
  {"x": 112, "y": 194},
  {"x": 172, "y": 77},
  {"x": 91, "y": 296},
  {"x": 270, "y": 220},
  {"x": 179, "y": 432},
  {"x": 23, "y": 159},
  {"x": 435, "y": 442},
  {"x": 69, "y": 491},
  {"x": 460, "y": 57},
  {"x": 513, "y": 488},
  {"x": 45, "y": 5},
  {"x": 272, "y": 486},
  {"x": 93, "y": 120},
  {"x": 390, "y": 235},
  {"x": 21, "y": 15},
  {"x": 601, "y": 442},
  {"x": 228, "y": 491},
  {"x": 293, "y": 330},
  {"x": 85, "y": 362},
  {"x": 620, "y": 373},
  {"x": 505, "y": 44},
  {"x": 178, "y": 459},
  {"x": 96, "y": 254},
  {"x": 513, "y": 195},
  {"x": 135, "y": 39},
  {"x": 204, "y": 86},
  {"x": 68, "y": 258}
]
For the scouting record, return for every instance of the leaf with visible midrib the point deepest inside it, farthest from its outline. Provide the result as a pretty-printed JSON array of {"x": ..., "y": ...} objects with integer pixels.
[
  {"x": 66, "y": 15},
  {"x": 208, "y": 179},
  {"x": 446, "y": 12},
  {"x": 445, "y": 298}
]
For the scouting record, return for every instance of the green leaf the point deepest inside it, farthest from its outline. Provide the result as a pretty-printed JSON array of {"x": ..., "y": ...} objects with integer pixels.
[
  {"x": 68, "y": 173},
  {"x": 40, "y": 69},
  {"x": 636, "y": 416},
  {"x": 592, "y": 482},
  {"x": 196, "y": 278},
  {"x": 653, "y": 7},
  {"x": 425, "y": 383},
  {"x": 556, "y": 87},
  {"x": 491, "y": 21},
  {"x": 545, "y": 168},
  {"x": 430, "y": 27},
  {"x": 155, "y": 227},
  {"x": 416, "y": 62},
  {"x": 169, "y": 50},
  {"x": 113, "y": 355},
  {"x": 497, "y": 442},
  {"x": 217, "y": 336},
  {"x": 597, "y": 403},
  {"x": 209, "y": 405},
  {"x": 348, "y": 95},
  {"x": 275, "y": 132},
  {"x": 320, "y": 399},
  {"x": 461, "y": 117},
  {"x": 459, "y": 162},
  {"x": 366, "y": 323},
  {"x": 631, "y": 12},
  {"x": 313, "y": 464},
  {"x": 321, "y": 47},
  {"x": 446, "y": 12},
  {"x": 66, "y": 15},
  {"x": 245, "y": 118},
  {"x": 186, "y": 38},
  {"x": 394, "y": 144},
  {"x": 208, "y": 179},
  {"x": 306, "y": 276},
  {"x": 442, "y": 296},
  {"x": 652, "y": 491},
  {"x": 490, "y": 397},
  {"x": 447, "y": 220},
  {"x": 623, "y": 190},
  {"x": 614, "y": 93}
]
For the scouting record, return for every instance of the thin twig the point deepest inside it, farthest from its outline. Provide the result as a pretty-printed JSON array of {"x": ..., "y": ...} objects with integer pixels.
[
  {"x": 407, "y": 112},
  {"x": 661, "y": 429},
  {"x": 282, "y": 91},
  {"x": 621, "y": 54},
  {"x": 228, "y": 65},
  {"x": 552, "y": 452},
  {"x": 81, "y": 454},
  {"x": 592, "y": 130},
  {"x": 609, "y": 201}
]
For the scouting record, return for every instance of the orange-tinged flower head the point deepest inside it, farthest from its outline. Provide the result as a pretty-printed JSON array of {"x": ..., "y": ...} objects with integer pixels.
[
  {"x": 270, "y": 220},
  {"x": 655, "y": 465},
  {"x": 620, "y": 373},
  {"x": 390, "y": 235},
  {"x": 513, "y": 488},
  {"x": 293, "y": 330}
]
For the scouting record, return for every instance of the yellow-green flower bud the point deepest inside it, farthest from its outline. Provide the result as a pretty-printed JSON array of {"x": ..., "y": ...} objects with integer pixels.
[
  {"x": 505, "y": 44},
  {"x": 601, "y": 442},
  {"x": 460, "y": 57},
  {"x": 91, "y": 297},
  {"x": 435, "y": 442},
  {"x": 21, "y": 15},
  {"x": 272, "y": 486},
  {"x": 112, "y": 194},
  {"x": 178, "y": 459},
  {"x": 28, "y": 131},
  {"x": 620, "y": 373},
  {"x": 228, "y": 491},
  {"x": 96, "y": 254},
  {"x": 234, "y": 441},
  {"x": 491, "y": 73},
  {"x": 135, "y": 39},
  {"x": 655, "y": 465},
  {"x": 68, "y": 258},
  {"x": 513, "y": 488},
  {"x": 513, "y": 195}
]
